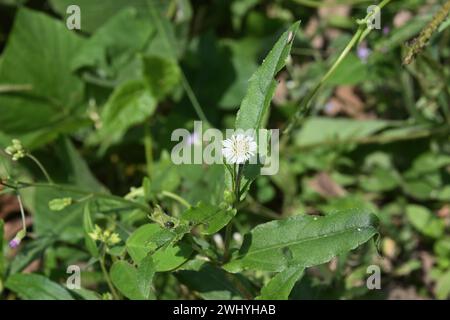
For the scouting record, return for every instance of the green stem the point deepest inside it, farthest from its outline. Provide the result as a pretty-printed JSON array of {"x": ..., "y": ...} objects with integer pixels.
[
  {"x": 177, "y": 198},
  {"x": 170, "y": 48},
  {"x": 193, "y": 99},
  {"x": 304, "y": 104},
  {"x": 237, "y": 192},
  {"x": 361, "y": 32},
  {"x": 228, "y": 236},
  {"x": 148, "y": 151},
  {"x": 22, "y": 211},
  {"x": 106, "y": 275},
  {"x": 23, "y": 185},
  {"x": 41, "y": 167}
]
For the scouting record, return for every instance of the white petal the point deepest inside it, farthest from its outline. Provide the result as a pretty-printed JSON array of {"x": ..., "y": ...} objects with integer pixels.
[{"x": 227, "y": 143}]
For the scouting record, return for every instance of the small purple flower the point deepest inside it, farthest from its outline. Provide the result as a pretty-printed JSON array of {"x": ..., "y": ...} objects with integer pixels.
[
  {"x": 363, "y": 53},
  {"x": 386, "y": 30},
  {"x": 14, "y": 243}
]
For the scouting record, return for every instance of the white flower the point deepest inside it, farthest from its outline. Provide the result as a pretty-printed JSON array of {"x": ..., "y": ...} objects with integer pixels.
[{"x": 239, "y": 148}]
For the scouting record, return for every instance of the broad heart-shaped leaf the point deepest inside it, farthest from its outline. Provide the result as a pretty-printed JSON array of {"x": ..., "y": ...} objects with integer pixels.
[
  {"x": 112, "y": 50},
  {"x": 280, "y": 286},
  {"x": 38, "y": 55},
  {"x": 304, "y": 240},
  {"x": 209, "y": 217},
  {"x": 159, "y": 243},
  {"x": 36, "y": 287},
  {"x": 254, "y": 108},
  {"x": 134, "y": 283},
  {"x": 130, "y": 104}
]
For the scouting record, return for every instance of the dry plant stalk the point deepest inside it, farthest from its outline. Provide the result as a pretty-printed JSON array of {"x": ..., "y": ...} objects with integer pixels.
[{"x": 421, "y": 41}]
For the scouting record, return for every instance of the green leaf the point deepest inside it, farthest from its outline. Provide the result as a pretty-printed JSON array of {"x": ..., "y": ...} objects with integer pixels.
[
  {"x": 211, "y": 218},
  {"x": 444, "y": 25},
  {"x": 65, "y": 225},
  {"x": 85, "y": 294},
  {"x": 210, "y": 282},
  {"x": 112, "y": 49},
  {"x": 350, "y": 72},
  {"x": 60, "y": 204},
  {"x": 36, "y": 287},
  {"x": 134, "y": 283},
  {"x": 75, "y": 169},
  {"x": 162, "y": 75},
  {"x": 321, "y": 130},
  {"x": 424, "y": 221},
  {"x": 234, "y": 60},
  {"x": 131, "y": 103},
  {"x": 254, "y": 108},
  {"x": 145, "y": 273},
  {"x": 171, "y": 256},
  {"x": 38, "y": 55},
  {"x": 147, "y": 238},
  {"x": 280, "y": 286},
  {"x": 29, "y": 252},
  {"x": 88, "y": 228},
  {"x": 443, "y": 286},
  {"x": 304, "y": 240},
  {"x": 165, "y": 175}
]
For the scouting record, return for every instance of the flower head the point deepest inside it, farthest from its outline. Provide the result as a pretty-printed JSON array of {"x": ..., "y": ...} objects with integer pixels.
[
  {"x": 14, "y": 243},
  {"x": 106, "y": 236},
  {"x": 239, "y": 148},
  {"x": 16, "y": 150},
  {"x": 363, "y": 53}
]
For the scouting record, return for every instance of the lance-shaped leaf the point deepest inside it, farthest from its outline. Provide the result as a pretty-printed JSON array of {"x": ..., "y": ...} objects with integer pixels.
[
  {"x": 36, "y": 287},
  {"x": 304, "y": 240},
  {"x": 261, "y": 87},
  {"x": 254, "y": 109}
]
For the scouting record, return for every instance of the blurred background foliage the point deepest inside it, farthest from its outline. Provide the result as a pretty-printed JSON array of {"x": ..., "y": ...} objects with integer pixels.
[{"x": 377, "y": 135}]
